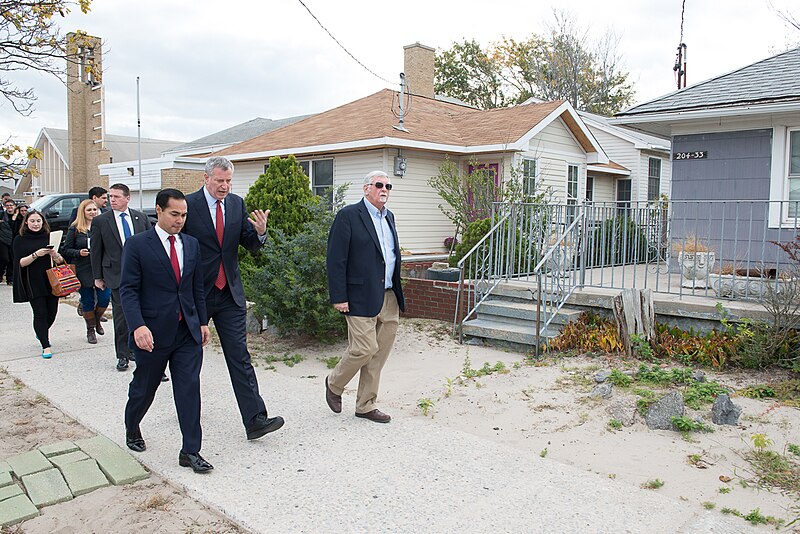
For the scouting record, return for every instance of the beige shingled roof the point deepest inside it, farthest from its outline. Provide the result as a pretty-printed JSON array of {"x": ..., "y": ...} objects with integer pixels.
[{"x": 427, "y": 120}]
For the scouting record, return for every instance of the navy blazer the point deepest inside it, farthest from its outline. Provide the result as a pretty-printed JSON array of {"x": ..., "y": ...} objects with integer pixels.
[
  {"x": 150, "y": 294},
  {"x": 106, "y": 253},
  {"x": 237, "y": 232},
  {"x": 356, "y": 269}
]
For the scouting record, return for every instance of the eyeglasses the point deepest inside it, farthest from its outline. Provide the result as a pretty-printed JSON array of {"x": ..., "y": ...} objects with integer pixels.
[{"x": 381, "y": 185}]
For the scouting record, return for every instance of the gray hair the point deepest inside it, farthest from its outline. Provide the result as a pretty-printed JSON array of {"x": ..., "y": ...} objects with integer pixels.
[
  {"x": 218, "y": 162},
  {"x": 368, "y": 178}
]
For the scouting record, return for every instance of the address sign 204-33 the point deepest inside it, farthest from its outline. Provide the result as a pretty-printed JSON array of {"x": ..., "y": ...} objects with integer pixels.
[{"x": 697, "y": 154}]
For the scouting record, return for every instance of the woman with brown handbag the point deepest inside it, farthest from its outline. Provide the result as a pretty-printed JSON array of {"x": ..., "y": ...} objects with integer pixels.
[
  {"x": 33, "y": 256},
  {"x": 76, "y": 250}
]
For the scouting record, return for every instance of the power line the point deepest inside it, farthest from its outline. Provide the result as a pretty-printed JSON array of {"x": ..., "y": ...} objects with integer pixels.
[{"x": 342, "y": 46}]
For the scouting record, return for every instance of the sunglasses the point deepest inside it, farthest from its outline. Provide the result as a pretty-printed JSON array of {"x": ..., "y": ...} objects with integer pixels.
[{"x": 381, "y": 185}]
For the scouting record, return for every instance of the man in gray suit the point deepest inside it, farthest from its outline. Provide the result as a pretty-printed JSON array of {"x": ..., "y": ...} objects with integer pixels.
[{"x": 110, "y": 230}]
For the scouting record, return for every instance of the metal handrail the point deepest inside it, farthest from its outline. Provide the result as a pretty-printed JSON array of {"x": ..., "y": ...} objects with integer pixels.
[
  {"x": 469, "y": 256},
  {"x": 554, "y": 305}
]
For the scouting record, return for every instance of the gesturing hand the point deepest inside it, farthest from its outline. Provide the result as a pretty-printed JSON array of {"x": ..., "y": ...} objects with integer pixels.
[{"x": 259, "y": 221}]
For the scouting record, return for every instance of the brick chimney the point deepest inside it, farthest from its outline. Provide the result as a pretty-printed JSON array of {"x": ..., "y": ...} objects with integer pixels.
[{"x": 419, "y": 69}]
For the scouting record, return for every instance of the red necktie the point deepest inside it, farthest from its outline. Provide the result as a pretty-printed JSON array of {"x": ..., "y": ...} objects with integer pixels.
[
  {"x": 173, "y": 259},
  {"x": 220, "y": 282}
]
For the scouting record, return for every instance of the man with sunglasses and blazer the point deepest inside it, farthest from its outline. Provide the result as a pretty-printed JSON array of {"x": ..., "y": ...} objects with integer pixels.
[{"x": 363, "y": 264}]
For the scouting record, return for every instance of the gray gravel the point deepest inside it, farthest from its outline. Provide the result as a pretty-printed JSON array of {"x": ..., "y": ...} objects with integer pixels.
[{"x": 334, "y": 473}]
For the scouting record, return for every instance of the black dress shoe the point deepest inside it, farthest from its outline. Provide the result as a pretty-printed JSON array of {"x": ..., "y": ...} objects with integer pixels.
[
  {"x": 376, "y": 416},
  {"x": 135, "y": 441},
  {"x": 195, "y": 461},
  {"x": 263, "y": 425},
  {"x": 122, "y": 364},
  {"x": 334, "y": 401},
  {"x": 131, "y": 357},
  {"x": 164, "y": 378}
]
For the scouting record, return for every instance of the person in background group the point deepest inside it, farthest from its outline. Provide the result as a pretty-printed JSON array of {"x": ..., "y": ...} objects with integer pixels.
[
  {"x": 18, "y": 217},
  {"x": 100, "y": 197},
  {"x": 110, "y": 231},
  {"x": 364, "y": 283},
  {"x": 6, "y": 237},
  {"x": 94, "y": 300},
  {"x": 34, "y": 257},
  {"x": 219, "y": 221}
]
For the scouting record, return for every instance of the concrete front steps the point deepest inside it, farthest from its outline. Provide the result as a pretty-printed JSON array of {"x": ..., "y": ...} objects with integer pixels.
[{"x": 508, "y": 317}]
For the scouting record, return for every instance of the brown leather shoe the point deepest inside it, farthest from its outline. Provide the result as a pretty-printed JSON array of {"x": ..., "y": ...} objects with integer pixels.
[
  {"x": 375, "y": 415},
  {"x": 334, "y": 401}
]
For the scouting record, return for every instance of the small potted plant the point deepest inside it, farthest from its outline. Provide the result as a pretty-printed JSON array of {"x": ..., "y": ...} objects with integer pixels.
[{"x": 696, "y": 260}]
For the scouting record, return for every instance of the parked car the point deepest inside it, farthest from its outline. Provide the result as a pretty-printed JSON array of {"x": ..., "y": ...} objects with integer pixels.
[{"x": 57, "y": 209}]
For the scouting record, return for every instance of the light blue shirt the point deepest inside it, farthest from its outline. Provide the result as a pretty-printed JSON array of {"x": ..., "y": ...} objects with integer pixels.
[
  {"x": 212, "y": 210},
  {"x": 386, "y": 240}
]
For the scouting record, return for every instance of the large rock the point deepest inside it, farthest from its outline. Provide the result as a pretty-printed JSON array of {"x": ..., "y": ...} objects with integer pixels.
[
  {"x": 660, "y": 414},
  {"x": 725, "y": 412},
  {"x": 601, "y": 376},
  {"x": 601, "y": 390},
  {"x": 623, "y": 410}
]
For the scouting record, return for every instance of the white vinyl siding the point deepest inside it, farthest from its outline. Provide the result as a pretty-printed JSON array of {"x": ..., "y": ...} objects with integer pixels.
[
  {"x": 53, "y": 173},
  {"x": 604, "y": 189},
  {"x": 636, "y": 160},
  {"x": 554, "y": 148}
]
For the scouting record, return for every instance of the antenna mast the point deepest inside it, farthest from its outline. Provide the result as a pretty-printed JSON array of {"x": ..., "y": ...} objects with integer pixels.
[
  {"x": 402, "y": 103},
  {"x": 680, "y": 58}
]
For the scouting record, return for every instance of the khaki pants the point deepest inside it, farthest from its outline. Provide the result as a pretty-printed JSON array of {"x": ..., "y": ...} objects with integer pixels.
[{"x": 370, "y": 341}]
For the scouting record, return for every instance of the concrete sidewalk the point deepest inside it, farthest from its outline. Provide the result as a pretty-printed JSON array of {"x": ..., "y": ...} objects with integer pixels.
[{"x": 334, "y": 473}]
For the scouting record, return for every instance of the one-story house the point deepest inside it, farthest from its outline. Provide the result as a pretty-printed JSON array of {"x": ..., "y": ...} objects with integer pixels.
[
  {"x": 736, "y": 145},
  {"x": 547, "y": 143},
  {"x": 643, "y": 163}
]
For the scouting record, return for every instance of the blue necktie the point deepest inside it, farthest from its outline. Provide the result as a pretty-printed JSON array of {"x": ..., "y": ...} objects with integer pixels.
[{"x": 126, "y": 228}]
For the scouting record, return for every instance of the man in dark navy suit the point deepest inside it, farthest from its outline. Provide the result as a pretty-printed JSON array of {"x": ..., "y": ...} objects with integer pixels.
[
  {"x": 219, "y": 221},
  {"x": 364, "y": 283},
  {"x": 163, "y": 300}
]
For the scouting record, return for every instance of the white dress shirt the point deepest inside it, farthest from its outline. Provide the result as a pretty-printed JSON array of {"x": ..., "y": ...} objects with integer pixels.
[
  {"x": 212, "y": 210},
  {"x": 118, "y": 220},
  {"x": 163, "y": 235}
]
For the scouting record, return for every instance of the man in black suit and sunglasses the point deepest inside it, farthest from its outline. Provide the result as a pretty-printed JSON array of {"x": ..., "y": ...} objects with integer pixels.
[{"x": 364, "y": 283}]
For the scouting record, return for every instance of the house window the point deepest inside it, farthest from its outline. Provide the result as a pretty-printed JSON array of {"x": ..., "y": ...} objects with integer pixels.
[
  {"x": 530, "y": 172},
  {"x": 572, "y": 184},
  {"x": 320, "y": 174},
  {"x": 654, "y": 179},
  {"x": 623, "y": 195},
  {"x": 794, "y": 173},
  {"x": 590, "y": 188}
]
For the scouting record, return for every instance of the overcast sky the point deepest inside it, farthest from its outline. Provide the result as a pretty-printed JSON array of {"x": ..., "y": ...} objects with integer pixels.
[{"x": 204, "y": 69}]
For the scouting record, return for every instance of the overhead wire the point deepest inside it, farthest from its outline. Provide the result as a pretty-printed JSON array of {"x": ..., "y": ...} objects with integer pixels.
[{"x": 342, "y": 46}]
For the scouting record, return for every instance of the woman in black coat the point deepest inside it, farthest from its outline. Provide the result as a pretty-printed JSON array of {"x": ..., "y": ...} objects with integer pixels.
[
  {"x": 32, "y": 258},
  {"x": 94, "y": 300}
]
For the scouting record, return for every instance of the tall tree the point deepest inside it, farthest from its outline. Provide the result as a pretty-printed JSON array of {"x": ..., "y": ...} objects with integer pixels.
[
  {"x": 30, "y": 39},
  {"x": 563, "y": 65},
  {"x": 468, "y": 73}
]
